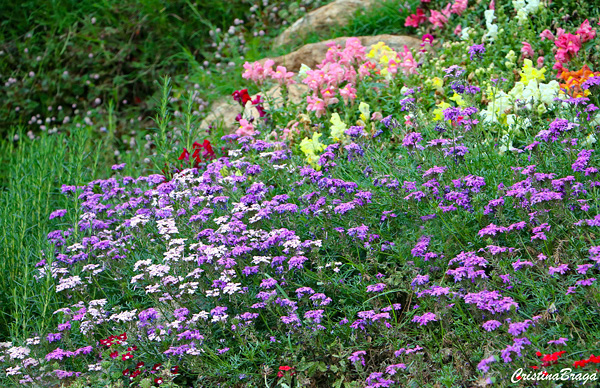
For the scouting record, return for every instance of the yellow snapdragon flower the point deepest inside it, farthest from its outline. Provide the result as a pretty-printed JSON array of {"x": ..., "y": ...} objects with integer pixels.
[
  {"x": 530, "y": 72},
  {"x": 310, "y": 148},
  {"x": 338, "y": 127},
  {"x": 438, "y": 114},
  {"x": 365, "y": 112}
]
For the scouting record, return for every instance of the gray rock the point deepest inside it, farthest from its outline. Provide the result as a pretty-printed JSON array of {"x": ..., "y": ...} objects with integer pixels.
[{"x": 322, "y": 19}]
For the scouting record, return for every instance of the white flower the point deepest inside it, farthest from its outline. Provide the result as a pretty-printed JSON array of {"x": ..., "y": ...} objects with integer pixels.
[
  {"x": 489, "y": 16},
  {"x": 549, "y": 91},
  {"x": 465, "y": 33},
  {"x": 18, "y": 352},
  {"x": 303, "y": 69}
]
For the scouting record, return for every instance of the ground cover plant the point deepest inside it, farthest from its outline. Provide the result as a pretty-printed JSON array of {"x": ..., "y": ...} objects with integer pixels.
[{"x": 422, "y": 218}]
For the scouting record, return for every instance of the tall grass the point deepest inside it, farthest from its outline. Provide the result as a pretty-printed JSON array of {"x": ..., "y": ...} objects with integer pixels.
[{"x": 34, "y": 171}]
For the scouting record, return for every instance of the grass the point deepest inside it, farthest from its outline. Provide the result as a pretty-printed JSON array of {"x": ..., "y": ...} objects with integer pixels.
[{"x": 34, "y": 172}]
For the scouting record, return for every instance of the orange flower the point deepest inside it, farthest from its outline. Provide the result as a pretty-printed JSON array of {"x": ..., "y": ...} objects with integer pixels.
[{"x": 574, "y": 80}]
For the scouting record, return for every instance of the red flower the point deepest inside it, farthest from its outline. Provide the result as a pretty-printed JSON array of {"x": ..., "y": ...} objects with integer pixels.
[
  {"x": 257, "y": 102},
  {"x": 135, "y": 374},
  {"x": 285, "y": 368},
  {"x": 127, "y": 356},
  {"x": 123, "y": 337},
  {"x": 175, "y": 370},
  {"x": 415, "y": 19},
  {"x": 114, "y": 354},
  {"x": 132, "y": 348},
  {"x": 241, "y": 96},
  {"x": 106, "y": 342},
  {"x": 185, "y": 155},
  {"x": 279, "y": 374},
  {"x": 158, "y": 380},
  {"x": 549, "y": 359},
  {"x": 583, "y": 362},
  {"x": 156, "y": 367},
  {"x": 139, "y": 365},
  {"x": 126, "y": 372}
]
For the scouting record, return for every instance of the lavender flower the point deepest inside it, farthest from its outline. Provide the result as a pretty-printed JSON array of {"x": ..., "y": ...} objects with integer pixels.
[
  {"x": 425, "y": 318},
  {"x": 358, "y": 356}
]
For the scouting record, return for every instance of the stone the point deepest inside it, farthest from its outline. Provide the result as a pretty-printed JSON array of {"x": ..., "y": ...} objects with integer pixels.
[
  {"x": 222, "y": 111},
  {"x": 313, "y": 53},
  {"x": 225, "y": 110},
  {"x": 321, "y": 20}
]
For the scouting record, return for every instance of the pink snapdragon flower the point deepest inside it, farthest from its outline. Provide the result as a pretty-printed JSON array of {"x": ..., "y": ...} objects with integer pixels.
[
  {"x": 459, "y": 7},
  {"x": 365, "y": 69},
  {"x": 256, "y": 72},
  {"x": 408, "y": 63},
  {"x": 283, "y": 76},
  {"x": 586, "y": 32},
  {"x": 437, "y": 19},
  {"x": 315, "y": 79},
  {"x": 547, "y": 34},
  {"x": 527, "y": 50},
  {"x": 458, "y": 30},
  {"x": 540, "y": 62},
  {"x": 415, "y": 20},
  {"x": 329, "y": 96},
  {"x": 348, "y": 93},
  {"x": 246, "y": 128},
  {"x": 353, "y": 50},
  {"x": 568, "y": 46},
  {"x": 316, "y": 105}
]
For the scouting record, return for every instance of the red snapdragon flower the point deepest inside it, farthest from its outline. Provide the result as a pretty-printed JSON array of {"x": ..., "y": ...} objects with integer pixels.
[
  {"x": 241, "y": 96},
  {"x": 205, "y": 150}
]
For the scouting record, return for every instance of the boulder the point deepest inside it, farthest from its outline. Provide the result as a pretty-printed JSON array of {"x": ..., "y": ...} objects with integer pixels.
[{"x": 322, "y": 19}]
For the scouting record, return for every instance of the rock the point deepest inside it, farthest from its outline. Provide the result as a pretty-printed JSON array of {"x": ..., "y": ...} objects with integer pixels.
[
  {"x": 295, "y": 93},
  {"x": 225, "y": 110},
  {"x": 313, "y": 53},
  {"x": 322, "y": 19}
]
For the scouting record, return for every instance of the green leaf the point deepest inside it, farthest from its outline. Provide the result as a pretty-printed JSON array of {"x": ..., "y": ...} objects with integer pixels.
[
  {"x": 338, "y": 382},
  {"x": 322, "y": 367}
]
